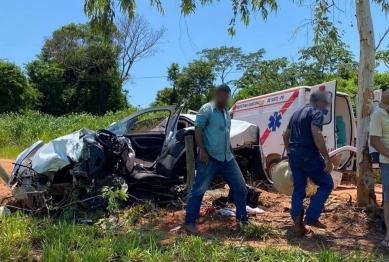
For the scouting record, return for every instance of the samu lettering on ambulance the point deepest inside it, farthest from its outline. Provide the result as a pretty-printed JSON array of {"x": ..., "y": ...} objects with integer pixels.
[
  {"x": 254, "y": 103},
  {"x": 275, "y": 99}
]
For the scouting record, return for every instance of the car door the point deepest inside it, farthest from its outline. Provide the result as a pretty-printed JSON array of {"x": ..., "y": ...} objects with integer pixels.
[
  {"x": 148, "y": 131},
  {"x": 329, "y": 113},
  {"x": 172, "y": 128}
]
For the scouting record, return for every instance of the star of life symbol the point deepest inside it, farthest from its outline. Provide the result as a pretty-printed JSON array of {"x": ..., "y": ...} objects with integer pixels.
[
  {"x": 325, "y": 111},
  {"x": 275, "y": 121}
]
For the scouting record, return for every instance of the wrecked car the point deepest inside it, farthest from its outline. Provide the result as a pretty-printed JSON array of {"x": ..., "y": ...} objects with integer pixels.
[{"x": 143, "y": 154}]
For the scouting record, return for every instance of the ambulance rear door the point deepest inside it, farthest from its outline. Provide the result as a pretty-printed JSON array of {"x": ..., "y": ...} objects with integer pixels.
[{"x": 329, "y": 128}]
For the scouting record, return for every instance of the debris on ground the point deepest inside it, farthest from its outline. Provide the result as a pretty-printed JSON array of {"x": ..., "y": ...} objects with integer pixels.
[
  {"x": 175, "y": 229},
  {"x": 254, "y": 211},
  {"x": 4, "y": 211},
  {"x": 225, "y": 211}
]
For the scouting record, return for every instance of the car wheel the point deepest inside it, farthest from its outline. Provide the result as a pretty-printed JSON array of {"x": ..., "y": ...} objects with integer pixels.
[{"x": 272, "y": 165}]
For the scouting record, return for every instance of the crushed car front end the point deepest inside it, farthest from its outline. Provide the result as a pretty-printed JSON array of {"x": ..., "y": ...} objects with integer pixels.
[{"x": 73, "y": 167}]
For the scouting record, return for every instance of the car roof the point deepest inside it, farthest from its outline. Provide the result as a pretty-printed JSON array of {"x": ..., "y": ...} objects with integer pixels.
[
  {"x": 189, "y": 116},
  {"x": 192, "y": 117}
]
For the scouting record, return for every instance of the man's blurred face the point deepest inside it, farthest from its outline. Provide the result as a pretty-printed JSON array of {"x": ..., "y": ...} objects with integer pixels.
[
  {"x": 320, "y": 105},
  {"x": 221, "y": 98}
]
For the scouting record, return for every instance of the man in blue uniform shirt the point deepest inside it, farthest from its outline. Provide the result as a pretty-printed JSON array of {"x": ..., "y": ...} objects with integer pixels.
[
  {"x": 212, "y": 133},
  {"x": 308, "y": 158}
]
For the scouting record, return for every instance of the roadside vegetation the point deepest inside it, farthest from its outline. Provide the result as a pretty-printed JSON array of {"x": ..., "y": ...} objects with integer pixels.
[
  {"x": 26, "y": 238},
  {"x": 81, "y": 84},
  {"x": 19, "y": 131}
]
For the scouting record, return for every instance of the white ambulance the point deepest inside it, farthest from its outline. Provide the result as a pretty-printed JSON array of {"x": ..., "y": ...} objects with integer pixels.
[
  {"x": 272, "y": 112},
  {"x": 377, "y": 97}
]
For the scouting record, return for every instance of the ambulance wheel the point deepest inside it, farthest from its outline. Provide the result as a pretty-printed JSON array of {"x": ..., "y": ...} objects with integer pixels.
[{"x": 272, "y": 165}]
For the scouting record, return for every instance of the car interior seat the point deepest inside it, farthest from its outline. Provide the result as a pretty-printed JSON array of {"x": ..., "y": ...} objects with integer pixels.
[
  {"x": 180, "y": 125},
  {"x": 169, "y": 165}
]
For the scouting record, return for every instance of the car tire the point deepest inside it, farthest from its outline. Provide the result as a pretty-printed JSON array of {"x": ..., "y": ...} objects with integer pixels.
[{"x": 272, "y": 164}]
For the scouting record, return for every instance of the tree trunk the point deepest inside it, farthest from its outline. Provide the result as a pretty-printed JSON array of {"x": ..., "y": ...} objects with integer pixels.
[{"x": 365, "y": 177}]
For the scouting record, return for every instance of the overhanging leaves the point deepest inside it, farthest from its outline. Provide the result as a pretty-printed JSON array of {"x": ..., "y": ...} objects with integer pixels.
[{"x": 102, "y": 12}]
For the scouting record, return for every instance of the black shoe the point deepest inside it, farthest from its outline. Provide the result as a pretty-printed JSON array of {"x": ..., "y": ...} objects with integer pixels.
[{"x": 192, "y": 229}]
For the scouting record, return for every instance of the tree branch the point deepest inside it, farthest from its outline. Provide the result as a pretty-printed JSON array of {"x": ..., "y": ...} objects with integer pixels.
[
  {"x": 382, "y": 38},
  {"x": 137, "y": 40}
]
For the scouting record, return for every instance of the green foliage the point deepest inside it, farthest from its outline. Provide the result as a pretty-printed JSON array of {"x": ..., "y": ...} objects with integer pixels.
[
  {"x": 24, "y": 238},
  {"x": 328, "y": 59},
  {"x": 49, "y": 80},
  {"x": 323, "y": 26},
  {"x": 251, "y": 59},
  {"x": 114, "y": 197},
  {"x": 163, "y": 97},
  {"x": 317, "y": 64},
  {"x": 102, "y": 12},
  {"x": 223, "y": 59},
  {"x": 252, "y": 231},
  {"x": 269, "y": 74},
  {"x": 80, "y": 69},
  {"x": 134, "y": 215},
  {"x": 381, "y": 79},
  {"x": 77, "y": 72},
  {"x": 172, "y": 75},
  {"x": 16, "y": 94},
  {"x": 192, "y": 85},
  {"x": 18, "y": 132},
  {"x": 383, "y": 56}
]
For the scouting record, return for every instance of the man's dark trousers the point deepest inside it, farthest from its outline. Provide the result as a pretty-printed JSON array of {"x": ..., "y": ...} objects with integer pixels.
[{"x": 304, "y": 167}]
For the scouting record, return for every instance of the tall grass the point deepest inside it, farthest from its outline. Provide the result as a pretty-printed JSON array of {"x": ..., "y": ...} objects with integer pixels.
[
  {"x": 18, "y": 132},
  {"x": 24, "y": 238}
]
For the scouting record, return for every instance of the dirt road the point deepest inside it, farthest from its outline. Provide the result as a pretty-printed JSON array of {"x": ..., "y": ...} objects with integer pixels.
[{"x": 346, "y": 191}]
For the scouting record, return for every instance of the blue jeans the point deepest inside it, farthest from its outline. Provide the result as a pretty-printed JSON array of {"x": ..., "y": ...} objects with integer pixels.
[
  {"x": 204, "y": 175},
  {"x": 375, "y": 156},
  {"x": 311, "y": 166},
  {"x": 385, "y": 187}
]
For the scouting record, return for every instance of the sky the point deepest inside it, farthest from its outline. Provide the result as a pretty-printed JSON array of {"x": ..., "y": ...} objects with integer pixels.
[{"x": 25, "y": 24}]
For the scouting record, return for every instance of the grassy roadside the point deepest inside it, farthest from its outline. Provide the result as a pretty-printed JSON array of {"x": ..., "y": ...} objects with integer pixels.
[
  {"x": 24, "y": 238},
  {"x": 30, "y": 238},
  {"x": 17, "y": 132}
]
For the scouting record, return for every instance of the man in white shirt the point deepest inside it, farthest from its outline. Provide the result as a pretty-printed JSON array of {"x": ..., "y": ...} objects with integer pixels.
[
  {"x": 373, "y": 153},
  {"x": 379, "y": 138}
]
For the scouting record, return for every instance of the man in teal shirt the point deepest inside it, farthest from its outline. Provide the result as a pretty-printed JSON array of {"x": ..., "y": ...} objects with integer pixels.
[{"x": 212, "y": 133}]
